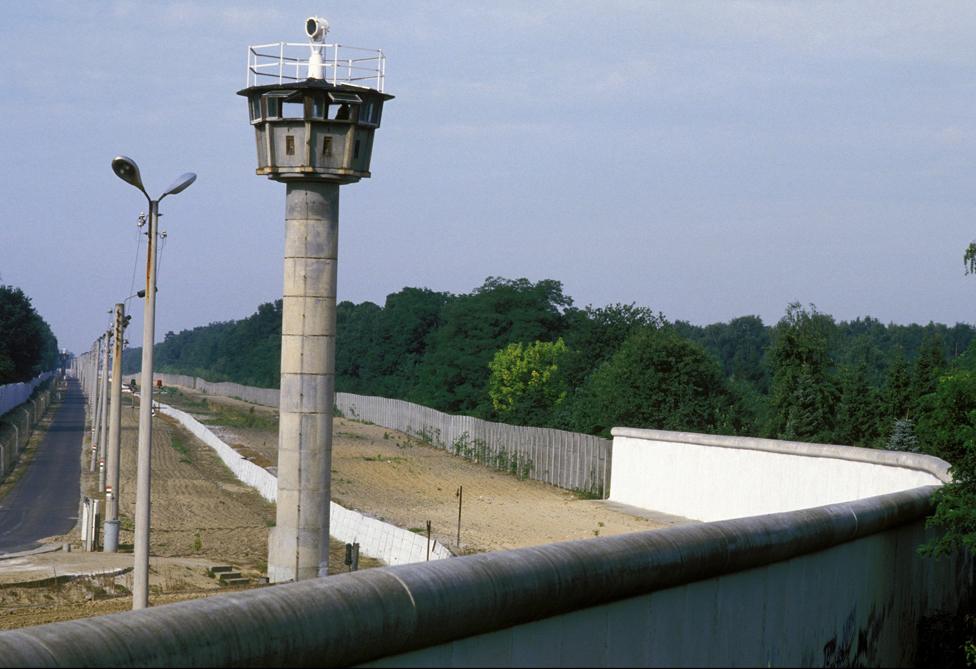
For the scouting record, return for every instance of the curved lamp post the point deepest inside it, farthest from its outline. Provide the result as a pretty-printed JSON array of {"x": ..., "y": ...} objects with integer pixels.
[{"x": 127, "y": 170}]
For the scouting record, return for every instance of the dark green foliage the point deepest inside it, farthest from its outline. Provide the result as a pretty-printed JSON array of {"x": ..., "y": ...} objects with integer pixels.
[
  {"x": 247, "y": 351},
  {"x": 947, "y": 417},
  {"x": 27, "y": 345},
  {"x": 802, "y": 393},
  {"x": 453, "y": 375},
  {"x": 897, "y": 394},
  {"x": 806, "y": 378},
  {"x": 655, "y": 380},
  {"x": 860, "y": 411},
  {"x": 928, "y": 367},
  {"x": 379, "y": 350},
  {"x": 739, "y": 345}
]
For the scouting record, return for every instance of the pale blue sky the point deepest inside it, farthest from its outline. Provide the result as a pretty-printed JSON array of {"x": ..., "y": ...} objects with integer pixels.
[{"x": 708, "y": 160}]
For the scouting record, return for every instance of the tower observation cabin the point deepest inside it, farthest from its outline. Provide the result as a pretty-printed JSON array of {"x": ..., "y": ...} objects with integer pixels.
[{"x": 315, "y": 107}]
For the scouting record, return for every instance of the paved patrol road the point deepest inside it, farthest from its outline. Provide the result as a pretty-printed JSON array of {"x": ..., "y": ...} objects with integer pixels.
[{"x": 44, "y": 501}]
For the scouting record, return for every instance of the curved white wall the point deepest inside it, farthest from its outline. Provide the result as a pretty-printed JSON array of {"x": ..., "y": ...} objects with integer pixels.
[{"x": 708, "y": 477}]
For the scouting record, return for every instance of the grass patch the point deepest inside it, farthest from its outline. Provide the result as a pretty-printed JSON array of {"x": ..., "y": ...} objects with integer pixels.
[
  {"x": 383, "y": 458},
  {"x": 179, "y": 445},
  {"x": 228, "y": 417}
]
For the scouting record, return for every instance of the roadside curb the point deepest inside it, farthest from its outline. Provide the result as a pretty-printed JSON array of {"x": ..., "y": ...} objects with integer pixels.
[{"x": 50, "y": 548}]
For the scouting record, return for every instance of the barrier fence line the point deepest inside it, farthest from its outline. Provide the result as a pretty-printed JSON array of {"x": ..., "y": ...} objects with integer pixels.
[
  {"x": 15, "y": 394},
  {"x": 569, "y": 460},
  {"x": 16, "y": 426}
]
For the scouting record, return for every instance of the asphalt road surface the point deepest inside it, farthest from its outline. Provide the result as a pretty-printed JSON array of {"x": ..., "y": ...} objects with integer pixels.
[{"x": 44, "y": 502}]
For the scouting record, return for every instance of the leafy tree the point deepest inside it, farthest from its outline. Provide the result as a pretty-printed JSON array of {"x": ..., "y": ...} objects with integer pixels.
[
  {"x": 454, "y": 373},
  {"x": 526, "y": 384},
  {"x": 655, "y": 380},
  {"x": 356, "y": 327},
  {"x": 952, "y": 422},
  {"x": 947, "y": 417},
  {"x": 400, "y": 340},
  {"x": 27, "y": 345},
  {"x": 739, "y": 345}
]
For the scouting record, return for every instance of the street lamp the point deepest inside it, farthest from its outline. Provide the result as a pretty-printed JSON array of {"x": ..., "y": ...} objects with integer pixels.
[{"x": 127, "y": 170}]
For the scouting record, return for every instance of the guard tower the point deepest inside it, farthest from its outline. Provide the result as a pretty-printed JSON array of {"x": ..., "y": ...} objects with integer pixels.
[{"x": 315, "y": 108}]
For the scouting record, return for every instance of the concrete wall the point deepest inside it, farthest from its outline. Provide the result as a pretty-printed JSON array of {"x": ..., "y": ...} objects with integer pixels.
[
  {"x": 568, "y": 460},
  {"x": 377, "y": 539},
  {"x": 14, "y": 394},
  {"x": 710, "y": 477},
  {"x": 16, "y": 427},
  {"x": 836, "y": 585}
]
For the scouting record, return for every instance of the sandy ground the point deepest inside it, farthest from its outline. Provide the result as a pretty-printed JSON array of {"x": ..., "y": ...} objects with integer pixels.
[
  {"x": 405, "y": 482},
  {"x": 201, "y": 517}
]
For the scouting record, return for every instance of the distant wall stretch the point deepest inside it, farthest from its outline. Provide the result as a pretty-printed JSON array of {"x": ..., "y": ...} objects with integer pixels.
[
  {"x": 386, "y": 542},
  {"x": 569, "y": 460},
  {"x": 15, "y": 394},
  {"x": 711, "y": 477},
  {"x": 16, "y": 426}
]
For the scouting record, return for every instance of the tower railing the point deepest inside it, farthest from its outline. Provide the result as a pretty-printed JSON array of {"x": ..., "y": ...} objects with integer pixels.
[{"x": 284, "y": 62}]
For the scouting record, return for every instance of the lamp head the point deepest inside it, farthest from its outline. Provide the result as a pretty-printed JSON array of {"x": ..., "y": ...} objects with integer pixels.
[
  {"x": 316, "y": 28},
  {"x": 126, "y": 169},
  {"x": 181, "y": 184}
]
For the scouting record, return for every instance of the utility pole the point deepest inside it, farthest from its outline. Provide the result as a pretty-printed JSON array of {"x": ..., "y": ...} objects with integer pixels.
[
  {"x": 127, "y": 170},
  {"x": 111, "y": 533},
  {"x": 314, "y": 135},
  {"x": 103, "y": 414},
  {"x": 96, "y": 357}
]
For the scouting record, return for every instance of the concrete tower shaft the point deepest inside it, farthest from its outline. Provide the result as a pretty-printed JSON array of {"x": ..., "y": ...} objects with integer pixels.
[{"x": 299, "y": 543}]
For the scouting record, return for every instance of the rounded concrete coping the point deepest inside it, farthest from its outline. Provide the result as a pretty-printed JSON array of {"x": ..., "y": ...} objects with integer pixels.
[
  {"x": 361, "y": 616},
  {"x": 926, "y": 463}
]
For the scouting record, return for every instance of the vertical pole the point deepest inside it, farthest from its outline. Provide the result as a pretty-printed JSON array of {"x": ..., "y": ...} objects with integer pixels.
[
  {"x": 140, "y": 572},
  {"x": 460, "y": 496},
  {"x": 111, "y": 544},
  {"x": 96, "y": 356},
  {"x": 103, "y": 416},
  {"x": 298, "y": 547}
]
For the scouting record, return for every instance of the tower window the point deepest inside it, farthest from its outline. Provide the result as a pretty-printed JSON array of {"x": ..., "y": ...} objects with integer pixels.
[
  {"x": 290, "y": 145},
  {"x": 326, "y": 146},
  {"x": 318, "y": 107},
  {"x": 355, "y": 149},
  {"x": 274, "y": 107}
]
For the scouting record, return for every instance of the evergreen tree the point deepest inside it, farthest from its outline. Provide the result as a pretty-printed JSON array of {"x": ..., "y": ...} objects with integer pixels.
[
  {"x": 903, "y": 437},
  {"x": 802, "y": 394},
  {"x": 928, "y": 367},
  {"x": 898, "y": 389},
  {"x": 858, "y": 409}
]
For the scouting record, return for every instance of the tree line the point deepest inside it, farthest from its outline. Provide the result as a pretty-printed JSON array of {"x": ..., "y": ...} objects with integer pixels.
[
  {"x": 27, "y": 345},
  {"x": 520, "y": 352}
]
